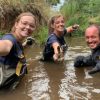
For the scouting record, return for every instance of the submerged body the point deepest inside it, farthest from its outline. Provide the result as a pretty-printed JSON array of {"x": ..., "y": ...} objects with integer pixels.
[
  {"x": 55, "y": 44},
  {"x": 49, "y": 51},
  {"x": 12, "y": 59},
  {"x": 92, "y": 36}
]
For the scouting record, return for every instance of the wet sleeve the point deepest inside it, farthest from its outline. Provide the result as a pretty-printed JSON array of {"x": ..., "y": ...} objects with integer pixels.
[
  {"x": 97, "y": 62},
  {"x": 95, "y": 69},
  {"x": 88, "y": 61},
  {"x": 83, "y": 61},
  {"x": 78, "y": 62},
  {"x": 9, "y": 37},
  {"x": 98, "y": 66},
  {"x": 52, "y": 39}
]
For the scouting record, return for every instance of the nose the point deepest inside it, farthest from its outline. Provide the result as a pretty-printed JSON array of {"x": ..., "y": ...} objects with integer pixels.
[
  {"x": 61, "y": 23},
  {"x": 27, "y": 26},
  {"x": 89, "y": 40}
]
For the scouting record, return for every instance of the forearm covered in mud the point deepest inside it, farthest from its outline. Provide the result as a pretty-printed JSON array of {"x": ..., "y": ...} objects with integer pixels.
[{"x": 83, "y": 61}]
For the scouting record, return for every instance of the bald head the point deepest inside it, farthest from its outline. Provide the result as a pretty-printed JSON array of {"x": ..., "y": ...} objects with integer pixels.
[
  {"x": 94, "y": 29},
  {"x": 92, "y": 36}
]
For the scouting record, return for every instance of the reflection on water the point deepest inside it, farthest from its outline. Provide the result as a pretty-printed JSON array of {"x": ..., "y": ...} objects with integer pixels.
[
  {"x": 60, "y": 81},
  {"x": 39, "y": 83}
]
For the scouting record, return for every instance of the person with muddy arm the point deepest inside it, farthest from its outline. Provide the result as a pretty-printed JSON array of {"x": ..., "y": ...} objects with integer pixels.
[
  {"x": 92, "y": 37},
  {"x": 12, "y": 59},
  {"x": 56, "y": 45}
]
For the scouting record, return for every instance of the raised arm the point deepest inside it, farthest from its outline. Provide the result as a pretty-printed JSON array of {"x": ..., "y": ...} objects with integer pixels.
[
  {"x": 5, "y": 47},
  {"x": 55, "y": 46}
]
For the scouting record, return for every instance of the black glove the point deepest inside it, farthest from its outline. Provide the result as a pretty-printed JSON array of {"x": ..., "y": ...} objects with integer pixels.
[
  {"x": 79, "y": 61},
  {"x": 30, "y": 40}
]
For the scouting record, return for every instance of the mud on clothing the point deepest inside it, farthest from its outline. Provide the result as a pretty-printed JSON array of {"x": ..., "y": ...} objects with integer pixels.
[
  {"x": 8, "y": 63},
  {"x": 48, "y": 50},
  {"x": 91, "y": 60}
]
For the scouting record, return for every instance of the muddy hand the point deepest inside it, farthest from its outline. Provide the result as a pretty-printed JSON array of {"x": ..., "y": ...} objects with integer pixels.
[
  {"x": 30, "y": 40},
  {"x": 75, "y": 27}
]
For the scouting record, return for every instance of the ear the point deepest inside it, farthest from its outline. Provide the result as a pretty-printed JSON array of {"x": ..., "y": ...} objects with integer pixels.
[{"x": 16, "y": 24}]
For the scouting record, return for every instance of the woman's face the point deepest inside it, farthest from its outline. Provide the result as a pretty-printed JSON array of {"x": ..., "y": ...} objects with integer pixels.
[
  {"x": 25, "y": 26},
  {"x": 92, "y": 37},
  {"x": 59, "y": 25}
]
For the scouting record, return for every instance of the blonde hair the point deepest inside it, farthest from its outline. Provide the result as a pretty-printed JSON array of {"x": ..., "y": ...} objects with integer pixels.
[
  {"x": 20, "y": 16},
  {"x": 51, "y": 22}
]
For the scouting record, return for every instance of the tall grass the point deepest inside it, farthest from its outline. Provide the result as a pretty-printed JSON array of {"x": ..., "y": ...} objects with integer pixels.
[
  {"x": 72, "y": 14},
  {"x": 69, "y": 9},
  {"x": 41, "y": 35},
  {"x": 78, "y": 19}
]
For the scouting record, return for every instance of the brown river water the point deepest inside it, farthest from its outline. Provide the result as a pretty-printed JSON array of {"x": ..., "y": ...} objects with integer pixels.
[{"x": 60, "y": 81}]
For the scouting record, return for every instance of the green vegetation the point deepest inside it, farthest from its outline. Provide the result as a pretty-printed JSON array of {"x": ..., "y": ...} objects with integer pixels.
[
  {"x": 41, "y": 35},
  {"x": 10, "y": 9},
  {"x": 82, "y": 12}
]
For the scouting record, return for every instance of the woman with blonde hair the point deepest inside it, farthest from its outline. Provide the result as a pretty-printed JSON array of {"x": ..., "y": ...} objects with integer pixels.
[
  {"x": 55, "y": 42},
  {"x": 12, "y": 58}
]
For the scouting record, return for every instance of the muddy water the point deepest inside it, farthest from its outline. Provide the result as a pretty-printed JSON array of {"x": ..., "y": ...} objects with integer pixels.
[{"x": 61, "y": 81}]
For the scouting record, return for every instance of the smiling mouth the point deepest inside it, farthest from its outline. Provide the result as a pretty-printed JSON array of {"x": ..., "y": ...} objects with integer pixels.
[{"x": 91, "y": 44}]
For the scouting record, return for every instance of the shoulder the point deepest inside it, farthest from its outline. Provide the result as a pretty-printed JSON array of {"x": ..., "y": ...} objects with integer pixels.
[
  {"x": 52, "y": 38},
  {"x": 10, "y": 37}
]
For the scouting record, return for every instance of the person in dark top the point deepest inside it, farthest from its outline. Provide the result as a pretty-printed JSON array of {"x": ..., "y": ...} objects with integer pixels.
[
  {"x": 56, "y": 45},
  {"x": 12, "y": 59},
  {"x": 92, "y": 37}
]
